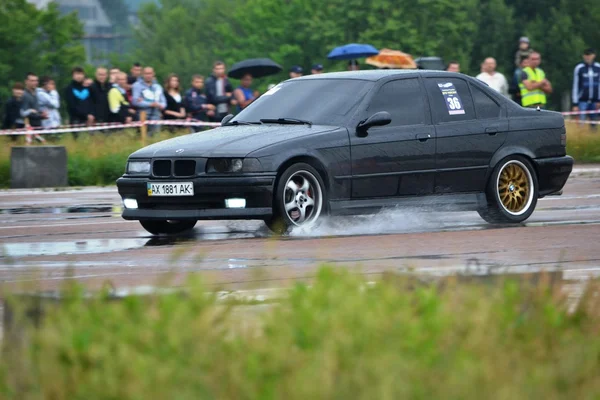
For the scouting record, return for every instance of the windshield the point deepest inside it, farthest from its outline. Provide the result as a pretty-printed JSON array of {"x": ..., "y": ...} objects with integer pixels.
[{"x": 320, "y": 101}]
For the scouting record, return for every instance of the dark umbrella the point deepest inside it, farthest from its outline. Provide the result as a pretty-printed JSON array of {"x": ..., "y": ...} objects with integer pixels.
[
  {"x": 257, "y": 67},
  {"x": 352, "y": 51}
]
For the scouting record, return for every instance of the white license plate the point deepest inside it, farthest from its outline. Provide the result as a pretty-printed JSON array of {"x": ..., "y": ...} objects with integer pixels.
[{"x": 171, "y": 189}]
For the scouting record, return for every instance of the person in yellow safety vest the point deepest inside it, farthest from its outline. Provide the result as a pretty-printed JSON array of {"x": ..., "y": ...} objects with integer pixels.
[
  {"x": 534, "y": 85},
  {"x": 120, "y": 110}
]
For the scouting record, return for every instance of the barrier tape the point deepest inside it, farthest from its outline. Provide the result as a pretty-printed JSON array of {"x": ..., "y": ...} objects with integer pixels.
[
  {"x": 580, "y": 112},
  {"x": 116, "y": 125},
  {"x": 576, "y": 121},
  {"x": 103, "y": 127}
]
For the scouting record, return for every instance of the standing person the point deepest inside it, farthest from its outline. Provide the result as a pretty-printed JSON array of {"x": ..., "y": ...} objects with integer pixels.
[
  {"x": 196, "y": 102},
  {"x": 317, "y": 69},
  {"x": 135, "y": 73},
  {"x": 243, "y": 94},
  {"x": 523, "y": 51},
  {"x": 99, "y": 95},
  {"x": 30, "y": 107},
  {"x": 296, "y": 71},
  {"x": 586, "y": 86},
  {"x": 534, "y": 85},
  {"x": 353, "y": 65},
  {"x": 119, "y": 107},
  {"x": 113, "y": 73},
  {"x": 148, "y": 97},
  {"x": 453, "y": 66},
  {"x": 492, "y": 78},
  {"x": 175, "y": 108},
  {"x": 79, "y": 102},
  {"x": 12, "y": 110},
  {"x": 219, "y": 91},
  {"x": 515, "y": 84},
  {"x": 49, "y": 102}
]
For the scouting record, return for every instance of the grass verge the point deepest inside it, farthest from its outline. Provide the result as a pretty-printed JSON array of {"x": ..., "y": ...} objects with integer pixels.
[
  {"x": 100, "y": 159},
  {"x": 339, "y": 338},
  {"x": 97, "y": 159},
  {"x": 583, "y": 143}
]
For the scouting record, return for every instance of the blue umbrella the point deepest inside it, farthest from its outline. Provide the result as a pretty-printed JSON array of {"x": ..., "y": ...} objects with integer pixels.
[{"x": 352, "y": 51}]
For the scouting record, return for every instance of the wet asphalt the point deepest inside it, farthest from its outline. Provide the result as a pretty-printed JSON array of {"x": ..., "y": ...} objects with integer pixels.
[{"x": 49, "y": 236}]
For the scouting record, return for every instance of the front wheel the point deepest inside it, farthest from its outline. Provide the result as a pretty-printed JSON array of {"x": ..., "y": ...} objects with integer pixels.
[
  {"x": 300, "y": 199},
  {"x": 512, "y": 192},
  {"x": 168, "y": 227}
]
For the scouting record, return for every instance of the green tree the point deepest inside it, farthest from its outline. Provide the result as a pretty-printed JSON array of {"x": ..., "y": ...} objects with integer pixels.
[
  {"x": 40, "y": 41},
  {"x": 560, "y": 46},
  {"x": 185, "y": 36},
  {"x": 496, "y": 36},
  {"x": 180, "y": 35}
]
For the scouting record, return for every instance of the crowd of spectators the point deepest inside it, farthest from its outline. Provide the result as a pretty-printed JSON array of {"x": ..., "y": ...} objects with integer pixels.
[
  {"x": 114, "y": 96},
  {"x": 529, "y": 85}
]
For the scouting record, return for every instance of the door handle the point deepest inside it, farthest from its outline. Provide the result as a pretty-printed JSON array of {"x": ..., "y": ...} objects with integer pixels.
[
  {"x": 492, "y": 130},
  {"x": 423, "y": 137}
]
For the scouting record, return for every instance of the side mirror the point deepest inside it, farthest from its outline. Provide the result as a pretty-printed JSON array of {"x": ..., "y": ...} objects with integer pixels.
[
  {"x": 226, "y": 119},
  {"x": 380, "y": 118}
]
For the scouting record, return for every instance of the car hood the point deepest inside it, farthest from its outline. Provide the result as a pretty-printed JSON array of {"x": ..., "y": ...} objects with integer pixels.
[{"x": 228, "y": 141}]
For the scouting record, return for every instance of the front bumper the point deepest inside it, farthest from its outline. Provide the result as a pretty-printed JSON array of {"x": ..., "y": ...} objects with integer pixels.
[
  {"x": 208, "y": 201},
  {"x": 553, "y": 174}
]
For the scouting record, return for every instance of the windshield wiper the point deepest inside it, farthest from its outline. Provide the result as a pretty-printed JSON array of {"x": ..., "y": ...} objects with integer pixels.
[
  {"x": 235, "y": 123},
  {"x": 292, "y": 121}
]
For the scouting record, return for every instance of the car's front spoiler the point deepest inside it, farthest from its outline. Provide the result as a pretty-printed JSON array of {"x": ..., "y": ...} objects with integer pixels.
[
  {"x": 217, "y": 213},
  {"x": 553, "y": 174}
]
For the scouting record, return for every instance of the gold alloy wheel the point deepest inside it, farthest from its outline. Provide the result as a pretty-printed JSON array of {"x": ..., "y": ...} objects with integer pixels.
[{"x": 514, "y": 187}]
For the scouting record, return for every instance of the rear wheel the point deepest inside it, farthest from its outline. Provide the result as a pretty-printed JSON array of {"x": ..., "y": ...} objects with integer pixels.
[
  {"x": 512, "y": 192},
  {"x": 168, "y": 227},
  {"x": 300, "y": 199}
]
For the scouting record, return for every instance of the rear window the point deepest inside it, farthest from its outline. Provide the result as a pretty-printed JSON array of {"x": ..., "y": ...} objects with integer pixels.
[{"x": 485, "y": 106}]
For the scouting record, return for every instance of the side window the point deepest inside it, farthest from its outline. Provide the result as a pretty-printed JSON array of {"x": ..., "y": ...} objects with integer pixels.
[
  {"x": 403, "y": 99},
  {"x": 450, "y": 100},
  {"x": 485, "y": 106}
]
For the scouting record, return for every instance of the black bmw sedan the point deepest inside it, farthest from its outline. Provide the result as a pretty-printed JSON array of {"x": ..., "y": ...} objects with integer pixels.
[{"x": 353, "y": 143}]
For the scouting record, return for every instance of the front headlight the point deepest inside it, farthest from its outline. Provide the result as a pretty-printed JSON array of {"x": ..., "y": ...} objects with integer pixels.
[
  {"x": 138, "y": 167},
  {"x": 232, "y": 165}
]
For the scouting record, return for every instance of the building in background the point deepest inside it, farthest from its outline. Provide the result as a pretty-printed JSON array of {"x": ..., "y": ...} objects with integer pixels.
[{"x": 100, "y": 37}]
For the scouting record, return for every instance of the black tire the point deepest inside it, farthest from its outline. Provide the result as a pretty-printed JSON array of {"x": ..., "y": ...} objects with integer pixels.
[
  {"x": 310, "y": 203},
  {"x": 168, "y": 227},
  {"x": 511, "y": 192}
]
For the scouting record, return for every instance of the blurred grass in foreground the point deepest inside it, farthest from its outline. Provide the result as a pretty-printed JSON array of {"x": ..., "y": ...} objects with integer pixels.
[
  {"x": 339, "y": 338},
  {"x": 100, "y": 159}
]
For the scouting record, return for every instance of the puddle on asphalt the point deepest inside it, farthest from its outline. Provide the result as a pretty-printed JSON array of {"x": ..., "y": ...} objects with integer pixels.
[
  {"x": 90, "y": 208},
  {"x": 93, "y": 246}
]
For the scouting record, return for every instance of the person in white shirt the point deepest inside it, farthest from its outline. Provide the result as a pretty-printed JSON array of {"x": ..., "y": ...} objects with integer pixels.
[
  {"x": 494, "y": 79},
  {"x": 49, "y": 102}
]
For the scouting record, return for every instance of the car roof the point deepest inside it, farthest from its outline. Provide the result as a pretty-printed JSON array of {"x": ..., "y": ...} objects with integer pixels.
[{"x": 376, "y": 74}]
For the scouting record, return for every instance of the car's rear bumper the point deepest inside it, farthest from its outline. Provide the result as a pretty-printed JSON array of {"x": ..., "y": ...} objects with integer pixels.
[
  {"x": 553, "y": 174},
  {"x": 208, "y": 201}
]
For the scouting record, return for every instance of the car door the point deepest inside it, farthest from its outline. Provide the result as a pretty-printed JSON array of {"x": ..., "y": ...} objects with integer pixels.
[
  {"x": 468, "y": 133},
  {"x": 397, "y": 159}
]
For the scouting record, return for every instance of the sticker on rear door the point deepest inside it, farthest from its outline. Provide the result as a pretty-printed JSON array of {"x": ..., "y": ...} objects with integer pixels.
[{"x": 452, "y": 99}]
